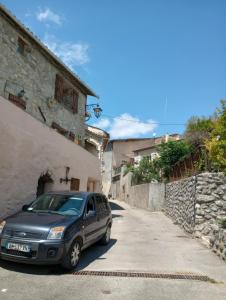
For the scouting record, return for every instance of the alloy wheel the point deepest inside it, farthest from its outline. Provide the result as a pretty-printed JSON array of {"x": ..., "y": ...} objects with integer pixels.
[{"x": 75, "y": 254}]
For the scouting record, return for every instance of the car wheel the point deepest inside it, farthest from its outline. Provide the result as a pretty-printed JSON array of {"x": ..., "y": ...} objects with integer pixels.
[
  {"x": 72, "y": 257},
  {"x": 107, "y": 236}
]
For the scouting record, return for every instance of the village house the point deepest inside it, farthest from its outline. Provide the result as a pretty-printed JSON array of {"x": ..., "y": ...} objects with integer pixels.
[
  {"x": 152, "y": 151},
  {"x": 96, "y": 142},
  {"x": 44, "y": 138},
  {"x": 121, "y": 152}
]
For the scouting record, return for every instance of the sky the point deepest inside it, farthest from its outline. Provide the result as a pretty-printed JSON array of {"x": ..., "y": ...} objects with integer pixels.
[{"x": 153, "y": 63}]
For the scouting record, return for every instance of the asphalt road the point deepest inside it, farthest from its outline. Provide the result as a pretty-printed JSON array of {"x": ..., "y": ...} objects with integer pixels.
[{"x": 141, "y": 242}]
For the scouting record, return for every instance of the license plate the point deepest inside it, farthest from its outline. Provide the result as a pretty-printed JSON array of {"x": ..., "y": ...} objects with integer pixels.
[{"x": 18, "y": 247}]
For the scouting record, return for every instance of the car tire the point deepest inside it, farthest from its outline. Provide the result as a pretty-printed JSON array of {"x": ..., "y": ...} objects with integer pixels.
[
  {"x": 107, "y": 236},
  {"x": 71, "y": 259}
]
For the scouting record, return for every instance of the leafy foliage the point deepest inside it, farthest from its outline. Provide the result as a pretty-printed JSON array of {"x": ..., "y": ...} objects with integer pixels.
[
  {"x": 147, "y": 171},
  {"x": 171, "y": 153},
  {"x": 198, "y": 130},
  {"x": 209, "y": 133},
  {"x": 216, "y": 144}
]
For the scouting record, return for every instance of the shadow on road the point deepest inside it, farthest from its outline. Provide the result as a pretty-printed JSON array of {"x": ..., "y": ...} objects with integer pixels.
[
  {"x": 116, "y": 216},
  {"x": 94, "y": 253},
  {"x": 88, "y": 256},
  {"x": 115, "y": 206}
]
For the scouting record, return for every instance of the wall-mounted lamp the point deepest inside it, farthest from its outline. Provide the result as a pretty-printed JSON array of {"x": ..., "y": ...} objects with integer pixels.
[
  {"x": 66, "y": 179},
  {"x": 96, "y": 109}
]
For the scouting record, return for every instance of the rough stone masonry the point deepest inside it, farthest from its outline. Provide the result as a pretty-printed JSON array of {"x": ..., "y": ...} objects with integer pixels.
[
  {"x": 35, "y": 74},
  {"x": 198, "y": 204}
]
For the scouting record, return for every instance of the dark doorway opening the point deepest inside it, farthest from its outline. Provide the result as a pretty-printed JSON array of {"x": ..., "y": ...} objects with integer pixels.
[{"x": 43, "y": 181}]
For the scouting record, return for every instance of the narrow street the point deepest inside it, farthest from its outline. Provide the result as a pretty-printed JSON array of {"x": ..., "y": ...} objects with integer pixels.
[{"x": 142, "y": 241}]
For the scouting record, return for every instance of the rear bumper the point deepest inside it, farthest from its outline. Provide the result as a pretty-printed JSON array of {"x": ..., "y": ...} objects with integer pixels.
[{"x": 42, "y": 251}]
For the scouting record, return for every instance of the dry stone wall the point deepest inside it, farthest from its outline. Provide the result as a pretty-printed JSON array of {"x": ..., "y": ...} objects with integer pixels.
[
  {"x": 211, "y": 211},
  {"x": 180, "y": 202},
  {"x": 198, "y": 204},
  {"x": 218, "y": 242}
]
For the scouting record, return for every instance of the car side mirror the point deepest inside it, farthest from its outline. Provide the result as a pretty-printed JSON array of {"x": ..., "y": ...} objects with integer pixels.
[{"x": 25, "y": 207}]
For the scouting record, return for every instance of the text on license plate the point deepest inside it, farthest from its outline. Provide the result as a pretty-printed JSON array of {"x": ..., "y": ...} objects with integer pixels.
[{"x": 18, "y": 247}]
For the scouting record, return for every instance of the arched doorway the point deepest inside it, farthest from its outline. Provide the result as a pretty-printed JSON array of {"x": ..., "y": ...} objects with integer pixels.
[{"x": 44, "y": 181}]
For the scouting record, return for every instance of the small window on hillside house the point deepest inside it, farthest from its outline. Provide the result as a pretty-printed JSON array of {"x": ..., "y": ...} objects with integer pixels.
[
  {"x": 66, "y": 94},
  {"x": 21, "y": 46}
]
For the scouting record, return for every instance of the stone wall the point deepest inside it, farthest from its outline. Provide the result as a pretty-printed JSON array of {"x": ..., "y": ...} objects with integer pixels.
[
  {"x": 180, "y": 202},
  {"x": 35, "y": 74},
  {"x": 210, "y": 205},
  {"x": 218, "y": 242},
  {"x": 198, "y": 204}
]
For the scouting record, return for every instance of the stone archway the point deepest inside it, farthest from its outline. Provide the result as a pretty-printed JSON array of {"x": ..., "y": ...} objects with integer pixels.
[{"x": 44, "y": 181}]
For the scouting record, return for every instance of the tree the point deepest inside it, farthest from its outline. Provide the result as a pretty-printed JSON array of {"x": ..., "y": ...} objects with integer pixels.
[
  {"x": 147, "y": 171},
  {"x": 198, "y": 129},
  {"x": 216, "y": 144},
  {"x": 170, "y": 153}
]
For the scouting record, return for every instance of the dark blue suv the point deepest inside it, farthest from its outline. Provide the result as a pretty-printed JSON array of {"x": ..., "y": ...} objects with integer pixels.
[{"x": 55, "y": 228}]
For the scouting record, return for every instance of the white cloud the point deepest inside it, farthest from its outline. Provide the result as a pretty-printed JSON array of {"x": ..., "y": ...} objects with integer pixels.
[
  {"x": 126, "y": 126},
  {"x": 47, "y": 15},
  {"x": 103, "y": 123},
  {"x": 72, "y": 54}
]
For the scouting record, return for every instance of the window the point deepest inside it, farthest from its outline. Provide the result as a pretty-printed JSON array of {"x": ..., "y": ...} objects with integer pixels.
[
  {"x": 56, "y": 203},
  {"x": 66, "y": 94},
  {"x": 90, "y": 205},
  {"x": 75, "y": 182},
  {"x": 101, "y": 202},
  {"x": 105, "y": 201},
  {"x": 21, "y": 46}
]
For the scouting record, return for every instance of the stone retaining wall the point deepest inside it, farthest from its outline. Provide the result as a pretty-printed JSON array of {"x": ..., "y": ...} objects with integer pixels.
[
  {"x": 198, "y": 204},
  {"x": 218, "y": 242},
  {"x": 210, "y": 204},
  {"x": 180, "y": 202}
]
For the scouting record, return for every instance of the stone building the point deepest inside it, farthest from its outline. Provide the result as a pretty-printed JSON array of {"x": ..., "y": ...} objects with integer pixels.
[
  {"x": 42, "y": 120},
  {"x": 96, "y": 142},
  {"x": 34, "y": 79}
]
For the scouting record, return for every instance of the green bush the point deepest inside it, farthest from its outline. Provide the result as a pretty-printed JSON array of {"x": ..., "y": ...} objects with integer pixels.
[
  {"x": 172, "y": 152},
  {"x": 216, "y": 144},
  {"x": 147, "y": 171},
  {"x": 198, "y": 129}
]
